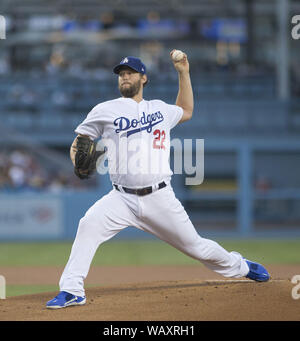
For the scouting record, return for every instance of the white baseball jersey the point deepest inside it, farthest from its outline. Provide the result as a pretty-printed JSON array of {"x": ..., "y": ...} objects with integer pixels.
[
  {"x": 137, "y": 136},
  {"x": 127, "y": 125}
]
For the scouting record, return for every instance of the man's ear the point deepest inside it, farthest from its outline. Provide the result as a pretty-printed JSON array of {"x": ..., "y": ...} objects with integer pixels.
[{"x": 145, "y": 79}]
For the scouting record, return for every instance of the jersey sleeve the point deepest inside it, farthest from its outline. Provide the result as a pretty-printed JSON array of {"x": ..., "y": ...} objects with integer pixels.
[
  {"x": 92, "y": 125},
  {"x": 174, "y": 114}
]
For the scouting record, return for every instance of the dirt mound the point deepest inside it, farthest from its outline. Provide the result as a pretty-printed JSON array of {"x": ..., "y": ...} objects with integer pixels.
[{"x": 216, "y": 300}]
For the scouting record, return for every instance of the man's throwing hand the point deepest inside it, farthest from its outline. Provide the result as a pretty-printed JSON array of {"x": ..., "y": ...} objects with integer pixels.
[{"x": 180, "y": 61}]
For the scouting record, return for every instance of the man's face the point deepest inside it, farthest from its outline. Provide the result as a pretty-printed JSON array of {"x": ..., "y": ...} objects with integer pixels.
[{"x": 130, "y": 82}]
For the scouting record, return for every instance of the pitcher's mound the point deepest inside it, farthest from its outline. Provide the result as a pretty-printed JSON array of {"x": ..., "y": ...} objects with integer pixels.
[{"x": 217, "y": 300}]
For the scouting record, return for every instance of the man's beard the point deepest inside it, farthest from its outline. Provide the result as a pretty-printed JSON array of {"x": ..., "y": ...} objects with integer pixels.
[{"x": 130, "y": 91}]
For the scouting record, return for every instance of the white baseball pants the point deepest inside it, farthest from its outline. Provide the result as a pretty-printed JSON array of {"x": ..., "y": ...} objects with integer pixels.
[{"x": 159, "y": 213}]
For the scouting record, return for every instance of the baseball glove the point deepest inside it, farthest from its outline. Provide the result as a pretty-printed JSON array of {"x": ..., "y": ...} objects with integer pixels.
[{"x": 86, "y": 157}]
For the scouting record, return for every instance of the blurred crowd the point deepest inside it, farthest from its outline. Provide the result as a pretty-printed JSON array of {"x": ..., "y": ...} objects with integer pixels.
[
  {"x": 21, "y": 170},
  {"x": 66, "y": 46},
  {"x": 88, "y": 47}
]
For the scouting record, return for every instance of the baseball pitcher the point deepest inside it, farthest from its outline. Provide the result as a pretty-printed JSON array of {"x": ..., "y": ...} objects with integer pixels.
[{"x": 137, "y": 133}]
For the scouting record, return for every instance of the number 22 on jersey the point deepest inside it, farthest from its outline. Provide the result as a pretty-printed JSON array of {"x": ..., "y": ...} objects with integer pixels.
[{"x": 160, "y": 136}]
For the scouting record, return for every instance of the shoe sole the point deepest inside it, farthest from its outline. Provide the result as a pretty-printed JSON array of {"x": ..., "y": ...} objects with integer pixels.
[
  {"x": 67, "y": 305},
  {"x": 263, "y": 280}
]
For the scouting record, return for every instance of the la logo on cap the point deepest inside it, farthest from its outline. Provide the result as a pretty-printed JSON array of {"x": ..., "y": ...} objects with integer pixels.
[{"x": 125, "y": 60}]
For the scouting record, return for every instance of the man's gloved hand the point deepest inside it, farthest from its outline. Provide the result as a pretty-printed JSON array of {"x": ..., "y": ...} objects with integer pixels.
[{"x": 86, "y": 157}]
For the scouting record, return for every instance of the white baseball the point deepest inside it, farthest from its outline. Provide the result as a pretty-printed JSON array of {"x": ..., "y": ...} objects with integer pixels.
[{"x": 177, "y": 55}]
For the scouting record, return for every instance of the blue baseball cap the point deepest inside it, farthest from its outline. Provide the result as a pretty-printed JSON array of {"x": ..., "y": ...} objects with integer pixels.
[{"x": 132, "y": 62}]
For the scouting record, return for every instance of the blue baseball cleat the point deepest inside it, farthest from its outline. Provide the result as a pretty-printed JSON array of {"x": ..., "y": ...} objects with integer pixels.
[
  {"x": 257, "y": 272},
  {"x": 65, "y": 299}
]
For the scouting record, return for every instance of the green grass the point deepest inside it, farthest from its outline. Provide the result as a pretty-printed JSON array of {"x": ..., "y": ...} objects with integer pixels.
[
  {"x": 27, "y": 254},
  {"x": 144, "y": 253},
  {"x": 135, "y": 253},
  {"x": 17, "y": 290},
  {"x": 267, "y": 251},
  {"x": 21, "y": 289}
]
